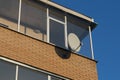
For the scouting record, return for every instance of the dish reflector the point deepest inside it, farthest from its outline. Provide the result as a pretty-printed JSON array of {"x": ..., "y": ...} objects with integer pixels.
[{"x": 74, "y": 42}]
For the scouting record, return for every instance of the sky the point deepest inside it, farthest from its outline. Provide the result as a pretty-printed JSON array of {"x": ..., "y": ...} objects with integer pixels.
[{"x": 106, "y": 36}]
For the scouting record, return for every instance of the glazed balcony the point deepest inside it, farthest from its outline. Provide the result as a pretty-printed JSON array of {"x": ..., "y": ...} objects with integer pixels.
[{"x": 36, "y": 33}]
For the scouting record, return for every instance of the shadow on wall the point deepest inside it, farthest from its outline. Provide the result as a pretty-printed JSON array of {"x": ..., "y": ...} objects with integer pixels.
[{"x": 63, "y": 53}]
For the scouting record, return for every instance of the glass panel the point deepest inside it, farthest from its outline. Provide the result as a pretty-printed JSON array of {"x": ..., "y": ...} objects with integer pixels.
[
  {"x": 7, "y": 71},
  {"x": 80, "y": 29},
  {"x": 28, "y": 74},
  {"x": 86, "y": 50},
  {"x": 55, "y": 78},
  {"x": 33, "y": 20},
  {"x": 57, "y": 34},
  {"x": 9, "y": 13},
  {"x": 57, "y": 14}
]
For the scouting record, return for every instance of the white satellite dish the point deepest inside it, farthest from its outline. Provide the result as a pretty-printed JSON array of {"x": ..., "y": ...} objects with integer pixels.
[{"x": 74, "y": 42}]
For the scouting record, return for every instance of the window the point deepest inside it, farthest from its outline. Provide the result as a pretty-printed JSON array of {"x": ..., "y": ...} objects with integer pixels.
[
  {"x": 9, "y": 13},
  {"x": 29, "y": 74},
  {"x": 56, "y": 14},
  {"x": 33, "y": 19},
  {"x": 7, "y": 71},
  {"x": 80, "y": 29},
  {"x": 57, "y": 35},
  {"x": 12, "y": 70},
  {"x": 57, "y": 27}
]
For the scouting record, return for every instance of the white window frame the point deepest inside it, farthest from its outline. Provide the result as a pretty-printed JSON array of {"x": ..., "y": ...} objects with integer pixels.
[
  {"x": 26, "y": 66},
  {"x": 19, "y": 15},
  {"x": 59, "y": 21},
  {"x": 16, "y": 75},
  {"x": 91, "y": 43}
]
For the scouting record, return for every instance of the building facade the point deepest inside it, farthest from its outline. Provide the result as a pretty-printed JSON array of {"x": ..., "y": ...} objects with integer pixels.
[{"x": 35, "y": 43}]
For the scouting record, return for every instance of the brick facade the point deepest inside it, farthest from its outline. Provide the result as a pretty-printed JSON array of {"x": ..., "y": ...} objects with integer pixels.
[{"x": 45, "y": 56}]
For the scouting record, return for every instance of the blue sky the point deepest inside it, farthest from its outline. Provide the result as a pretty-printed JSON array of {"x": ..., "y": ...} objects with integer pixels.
[{"x": 106, "y": 36}]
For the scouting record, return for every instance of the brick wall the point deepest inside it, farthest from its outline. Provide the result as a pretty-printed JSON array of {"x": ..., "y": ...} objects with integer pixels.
[{"x": 44, "y": 56}]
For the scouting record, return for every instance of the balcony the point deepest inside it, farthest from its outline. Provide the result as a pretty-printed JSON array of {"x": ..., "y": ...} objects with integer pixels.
[{"x": 41, "y": 21}]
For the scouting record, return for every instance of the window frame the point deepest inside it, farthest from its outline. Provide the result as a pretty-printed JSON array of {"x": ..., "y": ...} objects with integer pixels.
[
  {"x": 30, "y": 67},
  {"x": 58, "y": 21}
]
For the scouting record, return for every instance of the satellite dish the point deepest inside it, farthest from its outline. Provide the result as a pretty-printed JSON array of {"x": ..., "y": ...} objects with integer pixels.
[{"x": 74, "y": 42}]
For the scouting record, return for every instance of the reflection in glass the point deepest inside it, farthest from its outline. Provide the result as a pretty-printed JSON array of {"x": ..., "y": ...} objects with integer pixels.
[
  {"x": 28, "y": 74},
  {"x": 7, "y": 71},
  {"x": 9, "y": 13},
  {"x": 33, "y": 20},
  {"x": 57, "y": 35},
  {"x": 80, "y": 28},
  {"x": 57, "y": 14}
]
